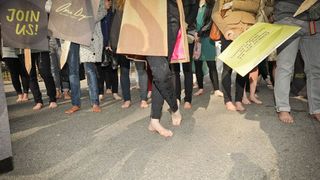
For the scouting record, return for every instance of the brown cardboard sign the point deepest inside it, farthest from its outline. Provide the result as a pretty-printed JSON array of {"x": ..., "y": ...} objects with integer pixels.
[{"x": 144, "y": 28}]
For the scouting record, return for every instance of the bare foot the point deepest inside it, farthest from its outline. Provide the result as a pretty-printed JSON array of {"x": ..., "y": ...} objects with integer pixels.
[
  {"x": 101, "y": 97},
  {"x": 230, "y": 106},
  {"x": 72, "y": 110},
  {"x": 187, "y": 105},
  {"x": 96, "y": 108},
  {"x": 126, "y": 104},
  {"x": 218, "y": 93},
  {"x": 58, "y": 94},
  {"x": 317, "y": 116},
  {"x": 149, "y": 94},
  {"x": 199, "y": 92},
  {"x": 108, "y": 91},
  {"x": 116, "y": 96},
  {"x": 38, "y": 106},
  {"x": 285, "y": 117},
  {"x": 66, "y": 95},
  {"x": 239, "y": 106},
  {"x": 53, "y": 105},
  {"x": 155, "y": 126},
  {"x": 19, "y": 99},
  {"x": 245, "y": 100},
  {"x": 25, "y": 97},
  {"x": 176, "y": 118},
  {"x": 144, "y": 104},
  {"x": 255, "y": 100}
]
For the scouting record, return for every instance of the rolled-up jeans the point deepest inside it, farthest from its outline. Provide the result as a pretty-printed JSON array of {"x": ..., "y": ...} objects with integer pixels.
[{"x": 309, "y": 48}]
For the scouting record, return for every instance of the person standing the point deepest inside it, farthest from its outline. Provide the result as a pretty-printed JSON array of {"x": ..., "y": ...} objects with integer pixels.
[
  {"x": 232, "y": 18},
  {"x": 17, "y": 71},
  {"x": 307, "y": 40},
  {"x": 208, "y": 53}
]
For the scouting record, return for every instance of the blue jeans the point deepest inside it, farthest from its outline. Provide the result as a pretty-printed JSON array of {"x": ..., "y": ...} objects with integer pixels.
[
  {"x": 309, "y": 48},
  {"x": 74, "y": 62}
]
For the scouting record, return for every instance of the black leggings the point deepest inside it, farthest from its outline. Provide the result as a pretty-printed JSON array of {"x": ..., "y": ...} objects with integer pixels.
[
  {"x": 188, "y": 78},
  {"x": 17, "y": 71},
  {"x": 226, "y": 78},
  {"x": 213, "y": 73},
  {"x": 42, "y": 61},
  {"x": 108, "y": 76}
]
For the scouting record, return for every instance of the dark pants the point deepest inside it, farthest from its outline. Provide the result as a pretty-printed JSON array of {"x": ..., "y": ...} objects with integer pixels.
[
  {"x": 188, "y": 78},
  {"x": 187, "y": 71},
  {"x": 17, "y": 70},
  {"x": 162, "y": 87},
  {"x": 226, "y": 78},
  {"x": 213, "y": 73},
  {"x": 107, "y": 76},
  {"x": 41, "y": 61},
  {"x": 124, "y": 76},
  {"x": 111, "y": 79},
  {"x": 263, "y": 69}
]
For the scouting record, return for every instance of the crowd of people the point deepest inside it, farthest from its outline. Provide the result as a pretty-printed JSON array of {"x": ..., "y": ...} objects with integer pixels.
[{"x": 160, "y": 80}]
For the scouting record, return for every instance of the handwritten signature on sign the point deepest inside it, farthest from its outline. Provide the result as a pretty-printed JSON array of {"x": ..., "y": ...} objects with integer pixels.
[{"x": 65, "y": 11}]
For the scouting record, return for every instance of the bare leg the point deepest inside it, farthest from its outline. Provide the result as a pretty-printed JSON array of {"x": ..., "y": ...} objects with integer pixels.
[{"x": 253, "y": 76}]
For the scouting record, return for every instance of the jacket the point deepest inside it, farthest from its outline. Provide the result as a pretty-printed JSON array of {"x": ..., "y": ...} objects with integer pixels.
[
  {"x": 93, "y": 53},
  {"x": 238, "y": 18}
]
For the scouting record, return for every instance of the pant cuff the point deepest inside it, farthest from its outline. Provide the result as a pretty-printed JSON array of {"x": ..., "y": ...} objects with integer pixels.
[{"x": 283, "y": 109}]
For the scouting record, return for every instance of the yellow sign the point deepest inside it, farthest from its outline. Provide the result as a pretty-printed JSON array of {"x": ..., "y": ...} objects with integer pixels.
[{"x": 255, "y": 44}]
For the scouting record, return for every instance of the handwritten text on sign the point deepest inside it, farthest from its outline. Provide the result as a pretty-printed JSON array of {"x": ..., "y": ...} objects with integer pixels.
[
  {"x": 27, "y": 21},
  {"x": 65, "y": 11}
]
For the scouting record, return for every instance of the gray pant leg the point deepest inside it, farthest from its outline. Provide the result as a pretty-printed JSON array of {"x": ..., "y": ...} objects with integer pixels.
[
  {"x": 309, "y": 47},
  {"x": 283, "y": 75}
]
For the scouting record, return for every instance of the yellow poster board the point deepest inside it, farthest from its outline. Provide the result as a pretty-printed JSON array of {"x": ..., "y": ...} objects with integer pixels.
[{"x": 254, "y": 45}]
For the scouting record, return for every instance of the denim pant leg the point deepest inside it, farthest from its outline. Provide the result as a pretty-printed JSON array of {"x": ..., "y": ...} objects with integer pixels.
[
  {"x": 143, "y": 80},
  {"x": 92, "y": 81},
  {"x": 283, "y": 74},
  {"x": 309, "y": 47},
  {"x": 74, "y": 62},
  {"x": 124, "y": 77}
]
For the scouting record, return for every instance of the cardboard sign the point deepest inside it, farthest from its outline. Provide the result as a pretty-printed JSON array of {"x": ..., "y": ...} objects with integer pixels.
[
  {"x": 144, "y": 28},
  {"x": 255, "y": 44},
  {"x": 73, "y": 20},
  {"x": 304, "y": 6},
  {"x": 24, "y": 24}
]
